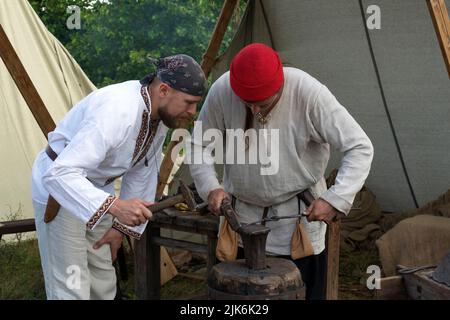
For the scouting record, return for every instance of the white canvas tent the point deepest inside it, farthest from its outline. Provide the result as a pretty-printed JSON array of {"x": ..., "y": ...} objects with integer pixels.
[
  {"x": 60, "y": 82},
  {"x": 392, "y": 80}
]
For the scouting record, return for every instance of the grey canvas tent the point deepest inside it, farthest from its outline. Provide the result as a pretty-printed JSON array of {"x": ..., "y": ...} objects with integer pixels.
[{"x": 393, "y": 80}]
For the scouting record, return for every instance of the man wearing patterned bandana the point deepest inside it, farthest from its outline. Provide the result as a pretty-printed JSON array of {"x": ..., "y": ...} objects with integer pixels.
[{"x": 116, "y": 131}]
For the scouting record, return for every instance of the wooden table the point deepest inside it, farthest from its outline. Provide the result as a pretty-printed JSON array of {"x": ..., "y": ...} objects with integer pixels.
[{"x": 147, "y": 252}]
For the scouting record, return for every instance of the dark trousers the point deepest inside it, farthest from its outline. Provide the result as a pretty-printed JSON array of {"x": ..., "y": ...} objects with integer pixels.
[{"x": 313, "y": 271}]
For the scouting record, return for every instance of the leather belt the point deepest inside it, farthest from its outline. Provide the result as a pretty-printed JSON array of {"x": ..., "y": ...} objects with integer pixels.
[
  {"x": 52, "y": 209},
  {"x": 50, "y": 153}
]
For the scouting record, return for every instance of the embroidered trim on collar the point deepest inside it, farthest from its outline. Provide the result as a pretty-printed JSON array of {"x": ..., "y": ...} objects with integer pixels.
[
  {"x": 148, "y": 142},
  {"x": 145, "y": 138},
  {"x": 142, "y": 134},
  {"x": 145, "y": 98}
]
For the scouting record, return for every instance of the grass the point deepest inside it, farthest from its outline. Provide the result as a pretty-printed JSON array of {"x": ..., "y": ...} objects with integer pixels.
[
  {"x": 20, "y": 271},
  {"x": 21, "y": 275},
  {"x": 353, "y": 274}
]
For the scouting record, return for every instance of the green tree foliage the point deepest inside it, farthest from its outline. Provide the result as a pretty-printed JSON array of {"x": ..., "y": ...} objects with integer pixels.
[
  {"x": 117, "y": 35},
  {"x": 54, "y": 15}
]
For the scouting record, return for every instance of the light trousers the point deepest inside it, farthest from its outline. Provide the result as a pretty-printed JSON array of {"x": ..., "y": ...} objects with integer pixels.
[{"x": 73, "y": 270}]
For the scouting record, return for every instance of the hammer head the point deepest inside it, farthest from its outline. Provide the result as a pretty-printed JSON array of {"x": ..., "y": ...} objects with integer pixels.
[{"x": 188, "y": 196}]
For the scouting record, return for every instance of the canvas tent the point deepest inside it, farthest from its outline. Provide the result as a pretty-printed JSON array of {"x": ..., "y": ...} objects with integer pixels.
[
  {"x": 60, "y": 82},
  {"x": 392, "y": 80}
]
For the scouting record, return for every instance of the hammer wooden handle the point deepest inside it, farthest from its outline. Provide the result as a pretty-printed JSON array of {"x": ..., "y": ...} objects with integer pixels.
[{"x": 170, "y": 202}]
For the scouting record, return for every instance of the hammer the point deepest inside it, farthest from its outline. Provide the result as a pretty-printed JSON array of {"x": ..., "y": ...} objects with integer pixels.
[{"x": 186, "y": 195}]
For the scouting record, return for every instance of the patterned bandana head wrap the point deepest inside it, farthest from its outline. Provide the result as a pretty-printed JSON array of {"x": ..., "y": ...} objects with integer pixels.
[{"x": 181, "y": 72}]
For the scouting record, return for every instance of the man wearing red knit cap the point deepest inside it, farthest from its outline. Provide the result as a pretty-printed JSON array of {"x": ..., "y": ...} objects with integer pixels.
[{"x": 259, "y": 94}]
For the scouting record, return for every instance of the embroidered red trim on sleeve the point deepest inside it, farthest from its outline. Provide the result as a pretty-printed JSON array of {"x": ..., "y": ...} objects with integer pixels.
[{"x": 100, "y": 212}]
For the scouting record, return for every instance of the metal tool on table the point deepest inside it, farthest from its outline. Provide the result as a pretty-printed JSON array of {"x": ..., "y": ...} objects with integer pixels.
[{"x": 307, "y": 198}]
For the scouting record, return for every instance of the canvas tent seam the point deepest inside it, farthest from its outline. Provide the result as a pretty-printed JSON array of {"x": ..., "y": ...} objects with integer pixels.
[
  {"x": 269, "y": 30},
  {"x": 62, "y": 72},
  {"x": 383, "y": 97}
]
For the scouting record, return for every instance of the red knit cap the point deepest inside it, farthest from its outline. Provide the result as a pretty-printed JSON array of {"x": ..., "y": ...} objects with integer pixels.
[{"x": 256, "y": 73}]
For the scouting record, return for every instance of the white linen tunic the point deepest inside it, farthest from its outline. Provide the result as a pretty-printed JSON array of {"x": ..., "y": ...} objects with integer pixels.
[
  {"x": 309, "y": 120},
  {"x": 105, "y": 136}
]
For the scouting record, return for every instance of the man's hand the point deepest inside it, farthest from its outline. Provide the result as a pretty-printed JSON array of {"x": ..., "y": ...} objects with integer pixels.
[
  {"x": 132, "y": 212},
  {"x": 114, "y": 239},
  {"x": 215, "y": 198},
  {"x": 320, "y": 210}
]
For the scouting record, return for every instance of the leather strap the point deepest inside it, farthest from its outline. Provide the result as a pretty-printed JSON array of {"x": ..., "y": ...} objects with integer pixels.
[
  {"x": 52, "y": 208},
  {"x": 306, "y": 196},
  {"x": 50, "y": 153},
  {"x": 264, "y": 216}
]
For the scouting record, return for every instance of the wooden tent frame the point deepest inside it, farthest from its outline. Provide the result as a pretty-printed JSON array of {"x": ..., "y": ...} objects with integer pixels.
[
  {"x": 25, "y": 85},
  {"x": 441, "y": 22}
]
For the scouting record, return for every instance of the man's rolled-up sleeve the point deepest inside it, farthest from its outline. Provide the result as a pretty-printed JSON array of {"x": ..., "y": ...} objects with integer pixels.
[{"x": 331, "y": 123}]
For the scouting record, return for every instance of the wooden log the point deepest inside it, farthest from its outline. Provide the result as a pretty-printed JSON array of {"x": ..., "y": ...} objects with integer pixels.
[
  {"x": 25, "y": 85},
  {"x": 18, "y": 226},
  {"x": 332, "y": 247},
  {"x": 441, "y": 22}
]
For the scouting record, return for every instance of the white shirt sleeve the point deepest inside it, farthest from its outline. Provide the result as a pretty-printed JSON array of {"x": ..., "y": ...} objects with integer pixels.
[
  {"x": 140, "y": 182},
  {"x": 211, "y": 117},
  {"x": 331, "y": 123},
  {"x": 66, "y": 179}
]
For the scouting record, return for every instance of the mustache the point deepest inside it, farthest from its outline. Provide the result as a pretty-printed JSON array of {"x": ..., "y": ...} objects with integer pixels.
[
  {"x": 185, "y": 117},
  {"x": 181, "y": 120}
]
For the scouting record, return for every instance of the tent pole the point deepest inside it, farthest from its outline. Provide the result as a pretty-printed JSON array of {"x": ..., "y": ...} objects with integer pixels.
[
  {"x": 441, "y": 22},
  {"x": 210, "y": 56},
  {"x": 209, "y": 59},
  {"x": 25, "y": 85}
]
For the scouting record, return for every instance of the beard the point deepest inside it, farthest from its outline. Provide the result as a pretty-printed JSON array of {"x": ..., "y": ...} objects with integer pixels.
[{"x": 173, "y": 122}]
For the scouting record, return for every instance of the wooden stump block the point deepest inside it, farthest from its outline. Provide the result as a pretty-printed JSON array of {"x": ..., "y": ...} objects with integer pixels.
[{"x": 281, "y": 280}]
